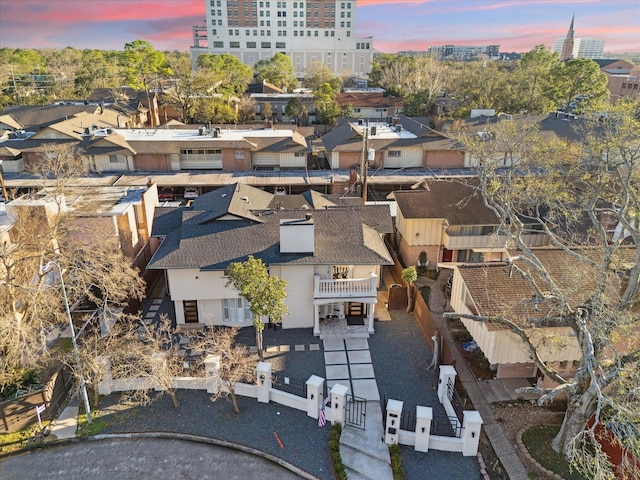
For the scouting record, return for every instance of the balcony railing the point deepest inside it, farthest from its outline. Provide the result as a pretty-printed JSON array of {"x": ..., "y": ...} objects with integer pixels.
[
  {"x": 345, "y": 288},
  {"x": 464, "y": 242}
]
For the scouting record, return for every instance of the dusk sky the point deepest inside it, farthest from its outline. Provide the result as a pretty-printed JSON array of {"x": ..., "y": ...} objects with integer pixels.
[{"x": 516, "y": 25}]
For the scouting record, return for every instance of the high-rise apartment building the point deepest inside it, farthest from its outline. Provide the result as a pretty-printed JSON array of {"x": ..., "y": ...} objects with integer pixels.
[{"x": 306, "y": 31}]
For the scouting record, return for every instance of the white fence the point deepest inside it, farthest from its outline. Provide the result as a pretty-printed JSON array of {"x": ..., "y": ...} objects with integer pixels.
[
  {"x": 335, "y": 411},
  {"x": 421, "y": 439}
]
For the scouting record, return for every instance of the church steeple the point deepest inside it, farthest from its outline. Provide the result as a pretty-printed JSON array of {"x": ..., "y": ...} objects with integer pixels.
[{"x": 567, "y": 45}]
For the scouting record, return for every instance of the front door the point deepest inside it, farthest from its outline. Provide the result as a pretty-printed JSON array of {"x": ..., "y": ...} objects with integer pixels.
[
  {"x": 447, "y": 255},
  {"x": 190, "y": 311}
]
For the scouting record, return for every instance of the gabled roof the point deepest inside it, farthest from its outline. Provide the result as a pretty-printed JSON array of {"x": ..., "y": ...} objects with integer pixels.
[
  {"x": 368, "y": 100},
  {"x": 32, "y": 117},
  {"x": 406, "y": 132},
  {"x": 231, "y": 223},
  {"x": 74, "y": 127},
  {"x": 551, "y": 125},
  {"x": 500, "y": 289},
  {"x": 459, "y": 203}
]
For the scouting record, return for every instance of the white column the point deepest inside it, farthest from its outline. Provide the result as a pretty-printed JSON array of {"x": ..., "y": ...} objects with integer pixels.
[
  {"x": 394, "y": 411},
  {"x": 179, "y": 308},
  {"x": 424, "y": 415},
  {"x": 159, "y": 367},
  {"x": 263, "y": 371},
  {"x": 212, "y": 373},
  {"x": 370, "y": 316},
  {"x": 105, "y": 387},
  {"x": 314, "y": 396},
  {"x": 316, "y": 320},
  {"x": 447, "y": 372},
  {"x": 338, "y": 403},
  {"x": 471, "y": 425}
]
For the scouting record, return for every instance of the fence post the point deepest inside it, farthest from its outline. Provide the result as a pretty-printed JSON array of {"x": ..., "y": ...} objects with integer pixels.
[
  {"x": 263, "y": 372},
  {"x": 424, "y": 415},
  {"x": 338, "y": 403},
  {"x": 314, "y": 395},
  {"x": 212, "y": 373},
  {"x": 471, "y": 425},
  {"x": 105, "y": 386},
  {"x": 159, "y": 367},
  {"x": 447, "y": 372},
  {"x": 394, "y": 412}
]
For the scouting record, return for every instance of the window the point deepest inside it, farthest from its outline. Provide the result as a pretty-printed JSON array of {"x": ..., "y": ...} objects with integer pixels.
[
  {"x": 238, "y": 155},
  {"x": 218, "y": 44},
  {"x": 265, "y": 45},
  {"x": 113, "y": 159},
  {"x": 280, "y": 44},
  {"x": 251, "y": 44},
  {"x": 236, "y": 310},
  {"x": 234, "y": 44},
  {"x": 393, "y": 154}
]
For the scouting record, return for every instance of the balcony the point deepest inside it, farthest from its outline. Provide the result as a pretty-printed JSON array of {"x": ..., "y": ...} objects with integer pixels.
[
  {"x": 345, "y": 288},
  {"x": 492, "y": 240},
  {"x": 466, "y": 242}
]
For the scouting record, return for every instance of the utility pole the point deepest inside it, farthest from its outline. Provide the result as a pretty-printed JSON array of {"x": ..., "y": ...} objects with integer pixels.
[
  {"x": 364, "y": 163},
  {"x": 2, "y": 185}
]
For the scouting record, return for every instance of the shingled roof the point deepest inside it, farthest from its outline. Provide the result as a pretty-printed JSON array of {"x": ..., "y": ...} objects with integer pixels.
[
  {"x": 231, "y": 223},
  {"x": 500, "y": 289},
  {"x": 457, "y": 202}
]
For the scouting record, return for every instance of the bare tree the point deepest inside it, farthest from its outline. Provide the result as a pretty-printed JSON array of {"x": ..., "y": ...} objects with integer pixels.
[
  {"x": 586, "y": 202},
  {"x": 237, "y": 363},
  {"x": 149, "y": 355}
]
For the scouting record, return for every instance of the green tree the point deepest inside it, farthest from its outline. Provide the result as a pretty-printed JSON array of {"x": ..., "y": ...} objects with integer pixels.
[
  {"x": 214, "y": 110},
  {"x": 533, "y": 89},
  {"x": 265, "y": 293},
  {"x": 580, "y": 81},
  {"x": 317, "y": 74},
  {"x": 267, "y": 111},
  {"x": 298, "y": 109},
  {"x": 586, "y": 203},
  {"x": 278, "y": 70},
  {"x": 324, "y": 99},
  {"x": 229, "y": 75},
  {"x": 409, "y": 276},
  {"x": 188, "y": 87},
  {"x": 480, "y": 85},
  {"x": 143, "y": 66}
]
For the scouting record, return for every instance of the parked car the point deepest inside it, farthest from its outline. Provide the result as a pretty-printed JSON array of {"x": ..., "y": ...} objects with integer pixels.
[
  {"x": 167, "y": 194},
  {"x": 191, "y": 192}
]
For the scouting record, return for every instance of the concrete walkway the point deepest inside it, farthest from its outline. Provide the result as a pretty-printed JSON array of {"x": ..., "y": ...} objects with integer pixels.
[
  {"x": 363, "y": 451},
  {"x": 65, "y": 426},
  {"x": 476, "y": 389}
]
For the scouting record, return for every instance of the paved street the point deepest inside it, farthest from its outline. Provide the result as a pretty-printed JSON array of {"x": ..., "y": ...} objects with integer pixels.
[{"x": 141, "y": 459}]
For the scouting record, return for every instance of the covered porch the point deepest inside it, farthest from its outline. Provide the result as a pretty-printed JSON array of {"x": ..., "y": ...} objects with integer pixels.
[{"x": 337, "y": 299}]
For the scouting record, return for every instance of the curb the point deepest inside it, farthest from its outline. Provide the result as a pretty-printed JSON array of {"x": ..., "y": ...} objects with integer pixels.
[
  {"x": 531, "y": 462},
  {"x": 168, "y": 435}
]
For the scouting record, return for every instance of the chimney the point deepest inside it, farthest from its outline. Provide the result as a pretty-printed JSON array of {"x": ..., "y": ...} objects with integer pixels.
[{"x": 297, "y": 235}]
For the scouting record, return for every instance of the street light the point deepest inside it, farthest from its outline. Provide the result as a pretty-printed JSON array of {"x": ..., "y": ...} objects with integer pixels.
[{"x": 83, "y": 387}]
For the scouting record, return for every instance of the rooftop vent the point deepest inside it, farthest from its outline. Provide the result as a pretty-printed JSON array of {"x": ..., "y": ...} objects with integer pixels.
[{"x": 244, "y": 199}]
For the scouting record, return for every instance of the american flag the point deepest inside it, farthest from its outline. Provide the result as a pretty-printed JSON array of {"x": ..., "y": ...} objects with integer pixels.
[{"x": 322, "y": 419}]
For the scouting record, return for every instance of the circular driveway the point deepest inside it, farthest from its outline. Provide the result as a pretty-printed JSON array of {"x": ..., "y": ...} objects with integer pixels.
[{"x": 141, "y": 458}]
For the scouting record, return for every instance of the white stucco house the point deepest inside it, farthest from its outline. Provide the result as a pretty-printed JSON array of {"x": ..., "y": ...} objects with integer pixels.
[{"x": 330, "y": 254}]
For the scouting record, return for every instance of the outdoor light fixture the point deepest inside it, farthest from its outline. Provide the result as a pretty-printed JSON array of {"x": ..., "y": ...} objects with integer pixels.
[{"x": 262, "y": 379}]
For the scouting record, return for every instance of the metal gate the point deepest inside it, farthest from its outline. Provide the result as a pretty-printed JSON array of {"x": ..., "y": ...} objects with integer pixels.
[{"x": 356, "y": 411}]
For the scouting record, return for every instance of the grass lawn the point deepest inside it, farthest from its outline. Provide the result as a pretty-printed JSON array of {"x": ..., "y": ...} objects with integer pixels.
[{"x": 538, "y": 439}]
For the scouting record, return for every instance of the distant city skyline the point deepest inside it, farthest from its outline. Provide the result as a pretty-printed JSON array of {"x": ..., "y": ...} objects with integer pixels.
[{"x": 516, "y": 25}]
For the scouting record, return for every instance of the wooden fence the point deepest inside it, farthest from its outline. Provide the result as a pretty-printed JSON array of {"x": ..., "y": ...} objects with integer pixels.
[{"x": 20, "y": 412}]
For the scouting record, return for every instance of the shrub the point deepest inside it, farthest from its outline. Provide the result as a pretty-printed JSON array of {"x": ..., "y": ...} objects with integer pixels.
[{"x": 334, "y": 449}]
